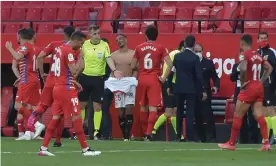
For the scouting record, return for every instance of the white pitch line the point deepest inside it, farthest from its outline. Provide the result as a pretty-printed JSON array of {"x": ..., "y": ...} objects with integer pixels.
[{"x": 138, "y": 150}]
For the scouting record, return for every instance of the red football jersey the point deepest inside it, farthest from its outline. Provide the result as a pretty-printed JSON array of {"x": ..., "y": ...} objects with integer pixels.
[
  {"x": 254, "y": 65},
  {"x": 65, "y": 55},
  {"x": 27, "y": 65},
  {"x": 51, "y": 49},
  {"x": 150, "y": 56}
]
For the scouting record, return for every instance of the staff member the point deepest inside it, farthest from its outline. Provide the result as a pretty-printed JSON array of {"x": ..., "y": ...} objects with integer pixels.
[
  {"x": 270, "y": 85},
  {"x": 203, "y": 109},
  {"x": 96, "y": 54},
  {"x": 188, "y": 75}
]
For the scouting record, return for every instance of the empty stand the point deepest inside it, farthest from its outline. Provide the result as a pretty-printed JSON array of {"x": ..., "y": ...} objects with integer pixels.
[
  {"x": 35, "y": 3},
  {"x": 166, "y": 13},
  {"x": 252, "y": 13},
  {"x": 20, "y": 3},
  {"x": 201, "y": 13},
  {"x": 7, "y": 4},
  {"x": 45, "y": 28},
  {"x": 18, "y": 14},
  {"x": 183, "y": 26},
  {"x": 64, "y": 14},
  {"x": 49, "y": 13},
  {"x": 248, "y": 4},
  {"x": 34, "y": 14},
  {"x": 51, "y": 4},
  {"x": 81, "y": 14},
  {"x": 269, "y": 13},
  {"x": 190, "y": 4},
  {"x": 150, "y": 13},
  {"x": 67, "y": 3},
  {"x": 12, "y": 27},
  {"x": 216, "y": 13},
  {"x": 267, "y": 4},
  {"x": 111, "y": 10},
  {"x": 5, "y": 13},
  {"x": 133, "y": 26},
  {"x": 268, "y": 26},
  {"x": 95, "y": 5},
  {"x": 167, "y": 4}
]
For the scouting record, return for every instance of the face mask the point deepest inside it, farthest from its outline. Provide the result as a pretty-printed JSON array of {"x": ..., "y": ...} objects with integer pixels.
[
  {"x": 241, "y": 57},
  {"x": 199, "y": 55},
  {"x": 263, "y": 43}
]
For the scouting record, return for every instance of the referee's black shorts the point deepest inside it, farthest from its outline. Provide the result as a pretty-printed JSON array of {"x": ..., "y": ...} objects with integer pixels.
[
  {"x": 93, "y": 88},
  {"x": 269, "y": 96},
  {"x": 168, "y": 100}
]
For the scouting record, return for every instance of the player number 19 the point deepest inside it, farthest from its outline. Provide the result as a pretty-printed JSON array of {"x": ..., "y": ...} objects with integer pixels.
[
  {"x": 148, "y": 61},
  {"x": 256, "y": 68}
]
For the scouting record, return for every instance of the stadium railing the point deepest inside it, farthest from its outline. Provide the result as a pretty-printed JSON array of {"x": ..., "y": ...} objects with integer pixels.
[{"x": 115, "y": 27}]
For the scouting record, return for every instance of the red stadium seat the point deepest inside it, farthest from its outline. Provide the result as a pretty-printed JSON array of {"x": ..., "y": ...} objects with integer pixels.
[
  {"x": 167, "y": 4},
  {"x": 131, "y": 27},
  {"x": 150, "y": 13},
  {"x": 12, "y": 27},
  {"x": 81, "y": 14},
  {"x": 20, "y": 3},
  {"x": 65, "y": 14},
  {"x": 248, "y": 4},
  {"x": 2, "y": 28},
  {"x": 5, "y": 13},
  {"x": 18, "y": 14},
  {"x": 167, "y": 13},
  {"x": 66, "y": 3},
  {"x": 269, "y": 13},
  {"x": 134, "y": 13},
  {"x": 6, "y": 4},
  {"x": 216, "y": 13},
  {"x": 267, "y": 4},
  {"x": 90, "y": 4},
  {"x": 183, "y": 26},
  {"x": 208, "y": 4},
  {"x": 49, "y": 14},
  {"x": 36, "y": 3},
  {"x": 252, "y": 13},
  {"x": 45, "y": 28},
  {"x": 6, "y": 97},
  {"x": 268, "y": 26},
  {"x": 112, "y": 10},
  {"x": 231, "y": 11},
  {"x": 34, "y": 14},
  {"x": 204, "y": 26},
  {"x": 51, "y": 3},
  {"x": 165, "y": 26},
  {"x": 202, "y": 13},
  {"x": 189, "y": 4}
]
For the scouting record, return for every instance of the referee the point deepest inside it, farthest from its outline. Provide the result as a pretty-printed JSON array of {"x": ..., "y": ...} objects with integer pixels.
[{"x": 96, "y": 54}]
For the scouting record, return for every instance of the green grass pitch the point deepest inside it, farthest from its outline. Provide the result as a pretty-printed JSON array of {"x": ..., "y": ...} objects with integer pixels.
[{"x": 135, "y": 153}]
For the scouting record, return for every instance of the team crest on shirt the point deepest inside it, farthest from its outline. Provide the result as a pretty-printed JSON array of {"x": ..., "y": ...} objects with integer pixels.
[
  {"x": 100, "y": 55},
  {"x": 70, "y": 57},
  {"x": 23, "y": 48}
]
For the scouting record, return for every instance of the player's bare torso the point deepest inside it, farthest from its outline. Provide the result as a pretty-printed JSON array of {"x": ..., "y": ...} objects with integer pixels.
[{"x": 122, "y": 61}]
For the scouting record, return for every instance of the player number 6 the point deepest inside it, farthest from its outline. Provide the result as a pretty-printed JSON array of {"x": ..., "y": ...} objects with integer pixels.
[{"x": 148, "y": 61}]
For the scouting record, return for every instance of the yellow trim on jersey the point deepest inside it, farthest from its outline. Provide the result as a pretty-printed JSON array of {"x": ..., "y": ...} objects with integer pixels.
[
  {"x": 95, "y": 58},
  {"x": 172, "y": 54}
]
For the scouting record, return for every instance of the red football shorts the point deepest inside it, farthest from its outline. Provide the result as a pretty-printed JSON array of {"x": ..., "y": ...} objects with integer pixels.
[
  {"x": 47, "y": 92},
  {"x": 252, "y": 92},
  {"x": 150, "y": 88},
  {"x": 66, "y": 101},
  {"x": 29, "y": 93}
]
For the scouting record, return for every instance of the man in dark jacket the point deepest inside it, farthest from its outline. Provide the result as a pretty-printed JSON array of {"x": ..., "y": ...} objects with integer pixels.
[
  {"x": 270, "y": 85},
  {"x": 203, "y": 109}
]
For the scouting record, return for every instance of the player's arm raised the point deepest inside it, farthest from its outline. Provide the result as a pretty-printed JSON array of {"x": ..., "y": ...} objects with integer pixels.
[
  {"x": 16, "y": 55},
  {"x": 15, "y": 68},
  {"x": 267, "y": 71}
]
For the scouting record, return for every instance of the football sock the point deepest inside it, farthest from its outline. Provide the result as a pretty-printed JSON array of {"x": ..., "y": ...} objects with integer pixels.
[
  {"x": 273, "y": 124},
  {"x": 80, "y": 133},
  {"x": 97, "y": 121},
  {"x": 151, "y": 121},
  {"x": 60, "y": 128},
  {"x": 122, "y": 124},
  {"x": 173, "y": 122},
  {"x": 20, "y": 126},
  {"x": 263, "y": 128},
  {"x": 236, "y": 125},
  {"x": 268, "y": 122},
  {"x": 159, "y": 122},
  {"x": 144, "y": 121},
  {"x": 83, "y": 114},
  {"x": 129, "y": 122},
  {"x": 41, "y": 109},
  {"x": 49, "y": 132}
]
